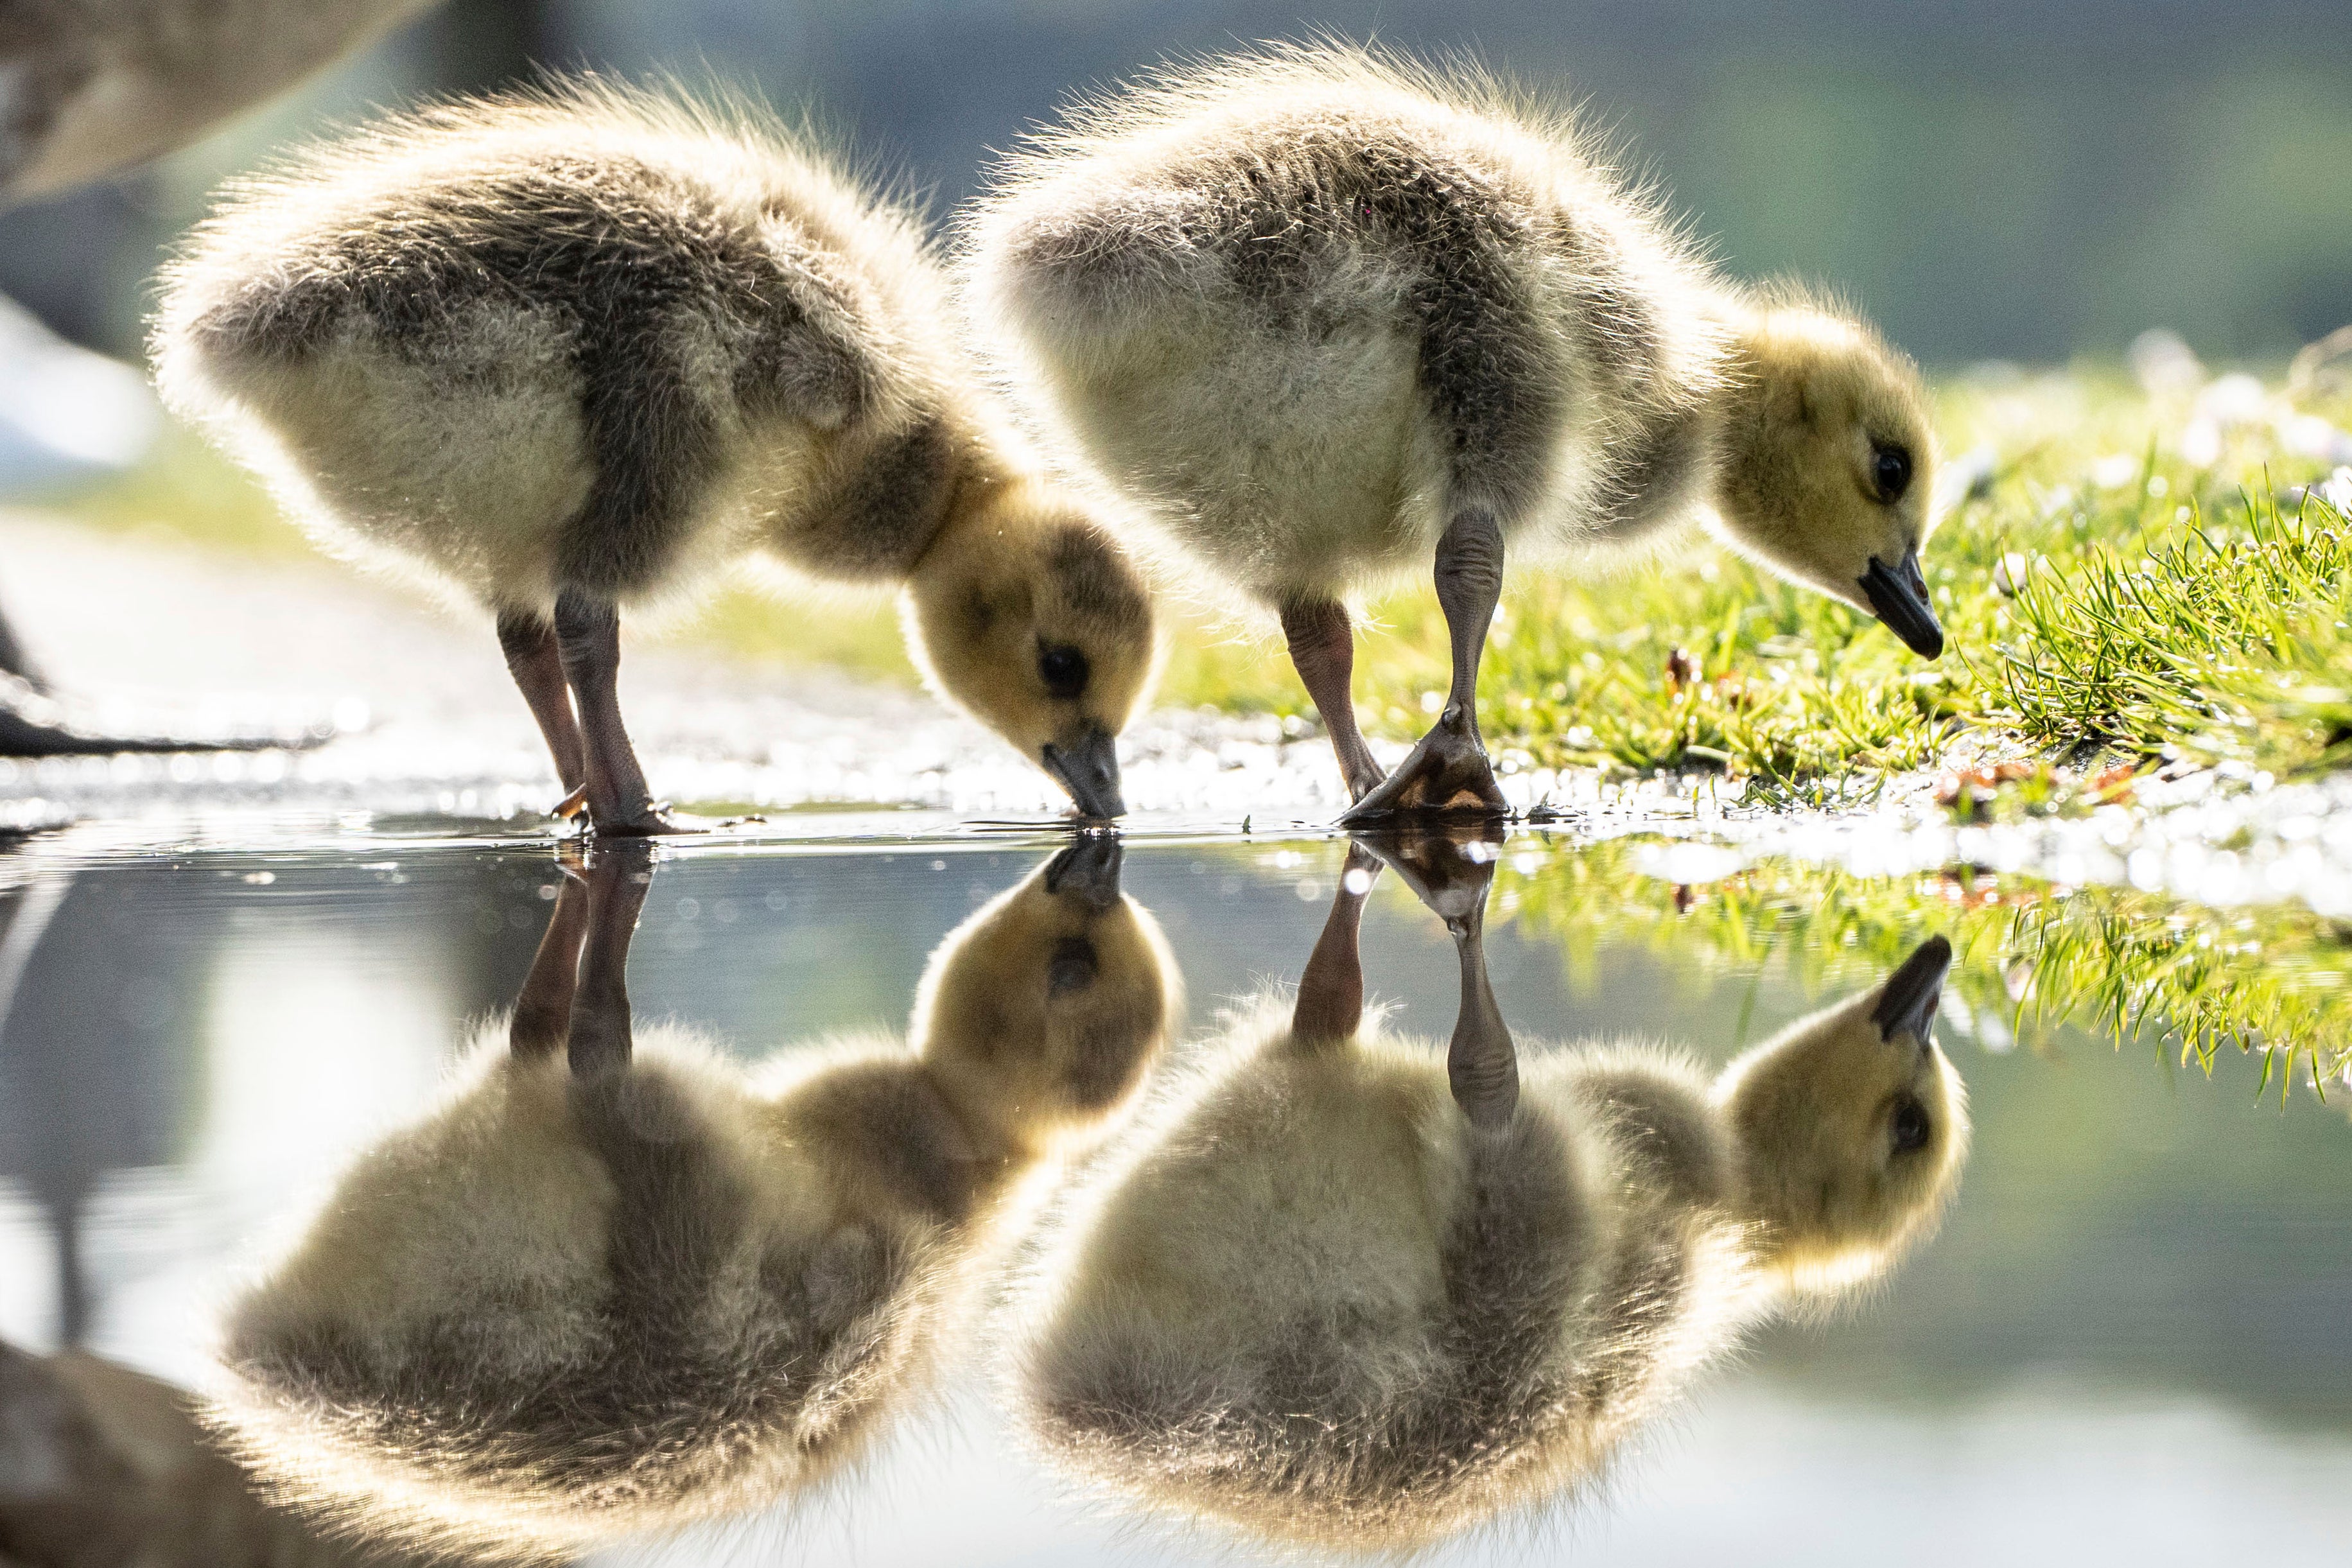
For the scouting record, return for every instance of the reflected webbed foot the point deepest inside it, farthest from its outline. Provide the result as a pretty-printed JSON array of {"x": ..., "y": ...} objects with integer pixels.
[{"x": 1449, "y": 866}]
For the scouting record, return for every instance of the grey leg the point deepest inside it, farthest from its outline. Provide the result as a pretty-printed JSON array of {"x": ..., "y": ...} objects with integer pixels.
[
  {"x": 1449, "y": 769},
  {"x": 1323, "y": 651},
  {"x": 1452, "y": 879},
  {"x": 536, "y": 662},
  {"x": 598, "y": 1038},
  {"x": 14, "y": 661},
  {"x": 1331, "y": 992},
  {"x": 542, "y": 1015},
  {"x": 588, "y": 637}
]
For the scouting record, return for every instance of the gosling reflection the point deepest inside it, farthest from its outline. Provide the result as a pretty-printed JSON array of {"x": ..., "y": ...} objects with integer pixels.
[
  {"x": 615, "y": 1284},
  {"x": 1345, "y": 1295}
]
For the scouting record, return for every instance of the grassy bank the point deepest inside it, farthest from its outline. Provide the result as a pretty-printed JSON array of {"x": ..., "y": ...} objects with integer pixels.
[{"x": 2120, "y": 572}]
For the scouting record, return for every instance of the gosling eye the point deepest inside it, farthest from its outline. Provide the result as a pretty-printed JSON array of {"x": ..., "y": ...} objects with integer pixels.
[
  {"x": 1074, "y": 966},
  {"x": 1063, "y": 669},
  {"x": 1910, "y": 1126},
  {"x": 1890, "y": 471}
]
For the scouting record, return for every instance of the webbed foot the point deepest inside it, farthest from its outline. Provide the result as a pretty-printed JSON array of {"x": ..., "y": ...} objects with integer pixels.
[
  {"x": 648, "y": 819},
  {"x": 1448, "y": 771}
]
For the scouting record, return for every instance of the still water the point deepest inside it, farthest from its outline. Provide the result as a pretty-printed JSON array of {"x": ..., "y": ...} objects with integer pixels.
[{"x": 1076, "y": 1251}]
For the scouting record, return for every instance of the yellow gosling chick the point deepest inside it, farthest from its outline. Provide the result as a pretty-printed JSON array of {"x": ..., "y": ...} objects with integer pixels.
[
  {"x": 1319, "y": 1302},
  {"x": 565, "y": 353},
  {"x": 616, "y": 1285},
  {"x": 1319, "y": 316}
]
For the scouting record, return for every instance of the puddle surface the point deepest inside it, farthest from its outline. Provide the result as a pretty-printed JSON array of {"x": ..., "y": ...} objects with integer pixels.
[{"x": 956, "y": 1118}]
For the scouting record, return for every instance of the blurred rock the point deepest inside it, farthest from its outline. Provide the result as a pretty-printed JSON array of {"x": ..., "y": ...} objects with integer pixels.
[
  {"x": 93, "y": 89},
  {"x": 101, "y": 1467}
]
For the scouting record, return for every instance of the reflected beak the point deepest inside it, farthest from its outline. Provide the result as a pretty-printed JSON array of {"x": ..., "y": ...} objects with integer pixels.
[
  {"x": 1899, "y": 598},
  {"x": 1088, "y": 871},
  {"x": 1907, "y": 1006},
  {"x": 1086, "y": 760}
]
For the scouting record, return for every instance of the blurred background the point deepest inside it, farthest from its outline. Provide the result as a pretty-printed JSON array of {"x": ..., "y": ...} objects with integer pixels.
[{"x": 1991, "y": 179}]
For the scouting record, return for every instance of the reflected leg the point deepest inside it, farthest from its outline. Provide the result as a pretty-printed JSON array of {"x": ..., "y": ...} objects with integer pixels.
[
  {"x": 588, "y": 637},
  {"x": 1452, "y": 878},
  {"x": 536, "y": 662},
  {"x": 598, "y": 1039},
  {"x": 1331, "y": 992},
  {"x": 1323, "y": 651},
  {"x": 1449, "y": 769},
  {"x": 542, "y": 1015}
]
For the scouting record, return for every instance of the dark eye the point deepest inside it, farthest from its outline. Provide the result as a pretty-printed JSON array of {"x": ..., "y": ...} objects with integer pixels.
[
  {"x": 1064, "y": 669},
  {"x": 1890, "y": 472},
  {"x": 1073, "y": 968},
  {"x": 1910, "y": 1126}
]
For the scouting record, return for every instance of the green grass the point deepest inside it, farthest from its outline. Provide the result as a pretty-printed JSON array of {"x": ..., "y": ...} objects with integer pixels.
[
  {"x": 2030, "y": 959},
  {"x": 2170, "y": 608}
]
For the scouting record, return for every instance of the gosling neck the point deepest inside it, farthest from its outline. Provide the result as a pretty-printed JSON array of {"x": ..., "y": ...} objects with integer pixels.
[{"x": 976, "y": 505}]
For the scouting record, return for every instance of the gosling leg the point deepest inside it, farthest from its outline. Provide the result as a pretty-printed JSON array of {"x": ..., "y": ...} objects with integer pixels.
[
  {"x": 588, "y": 638},
  {"x": 536, "y": 662},
  {"x": 542, "y": 1015},
  {"x": 1449, "y": 769},
  {"x": 1323, "y": 651},
  {"x": 1331, "y": 992},
  {"x": 597, "y": 1039}
]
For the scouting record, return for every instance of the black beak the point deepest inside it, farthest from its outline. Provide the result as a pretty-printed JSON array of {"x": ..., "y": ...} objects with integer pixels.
[
  {"x": 1088, "y": 871},
  {"x": 1087, "y": 762},
  {"x": 1907, "y": 1006},
  {"x": 1899, "y": 598}
]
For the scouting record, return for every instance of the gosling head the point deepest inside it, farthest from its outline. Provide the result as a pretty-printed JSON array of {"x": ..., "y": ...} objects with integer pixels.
[
  {"x": 1040, "y": 1015},
  {"x": 1028, "y": 615},
  {"x": 1828, "y": 464},
  {"x": 1851, "y": 1127}
]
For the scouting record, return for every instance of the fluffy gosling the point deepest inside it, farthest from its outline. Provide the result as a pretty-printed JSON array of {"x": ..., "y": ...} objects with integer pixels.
[
  {"x": 564, "y": 354},
  {"x": 1320, "y": 1302},
  {"x": 1320, "y": 314},
  {"x": 614, "y": 1284}
]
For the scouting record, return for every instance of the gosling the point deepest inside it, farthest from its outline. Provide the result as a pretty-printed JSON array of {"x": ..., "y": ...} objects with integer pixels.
[
  {"x": 615, "y": 1284},
  {"x": 1317, "y": 314},
  {"x": 566, "y": 353},
  {"x": 1321, "y": 1304}
]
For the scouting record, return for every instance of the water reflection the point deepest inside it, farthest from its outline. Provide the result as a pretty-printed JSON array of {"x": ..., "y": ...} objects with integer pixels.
[
  {"x": 615, "y": 1282},
  {"x": 1300, "y": 1273},
  {"x": 1349, "y": 1293}
]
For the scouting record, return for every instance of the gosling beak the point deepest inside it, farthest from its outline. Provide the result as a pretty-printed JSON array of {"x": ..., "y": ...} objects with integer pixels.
[
  {"x": 1907, "y": 1006},
  {"x": 1899, "y": 598},
  {"x": 1088, "y": 871},
  {"x": 1086, "y": 759}
]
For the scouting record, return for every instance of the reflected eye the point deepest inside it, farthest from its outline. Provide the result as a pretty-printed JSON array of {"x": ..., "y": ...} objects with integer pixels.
[
  {"x": 1890, "y": 472},
  {"x": 1910, "y": 1126},
  {"x": 1063, "y": 669},
  {"x": 1074, "y": 966}
]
